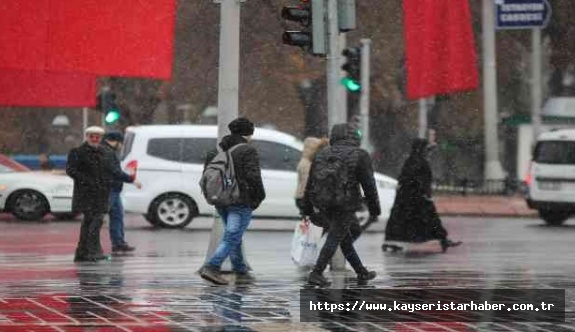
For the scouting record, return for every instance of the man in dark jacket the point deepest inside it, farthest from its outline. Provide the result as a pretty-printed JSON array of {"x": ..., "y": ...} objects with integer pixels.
[
  {"x": 237, "y": 217},
  {"x": 111, "y": 143},
  {"x": 344, "y": 144},
  {"x": 87, "y": 165}
]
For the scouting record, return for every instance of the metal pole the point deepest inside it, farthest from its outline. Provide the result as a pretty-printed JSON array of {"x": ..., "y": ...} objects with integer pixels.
[
  {"x": 333, "y": 115},
  {"x": 536, "y": 81},
  {"x": 493, "y": 168},
  {"x": 229, "y": 64},
  {"x": 422, "y": 117},
  {"x": 84, "y": 120},
  {"x": 228, "y": 95},
  {"x": 365, "y": 92}
]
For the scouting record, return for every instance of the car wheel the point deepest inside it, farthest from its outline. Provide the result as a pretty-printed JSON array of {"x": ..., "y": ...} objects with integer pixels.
[
  {"x": 150, "y": 219},
  {"x": 28, "y": 205},
  {"x": 554, "y": 218},
  {"x": 65, "y": 215},
  {"x": 172, "y": 211}
]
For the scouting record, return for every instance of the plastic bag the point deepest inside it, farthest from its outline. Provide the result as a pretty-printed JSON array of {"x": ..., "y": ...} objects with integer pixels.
[{"x": 306, "y": 244}]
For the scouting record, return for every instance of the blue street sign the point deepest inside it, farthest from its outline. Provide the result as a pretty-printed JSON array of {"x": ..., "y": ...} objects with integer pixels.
[{"x": 522, "y": 14}]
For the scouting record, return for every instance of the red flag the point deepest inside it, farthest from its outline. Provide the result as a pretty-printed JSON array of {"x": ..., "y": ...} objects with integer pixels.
[
  {"x": 99, "y": 37},
  {"x": 24, "y": 33},
  {"x": 440, "y": 48},
  {"x": 46, "y": 89}
]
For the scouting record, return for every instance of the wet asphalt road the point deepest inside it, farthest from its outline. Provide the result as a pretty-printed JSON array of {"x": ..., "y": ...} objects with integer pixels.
[{"x": 156, "y": 288}]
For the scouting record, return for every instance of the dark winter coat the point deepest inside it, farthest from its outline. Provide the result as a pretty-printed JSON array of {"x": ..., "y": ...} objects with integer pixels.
[
  {"x": 118, "y": 177},
  {"x": 88, "y": 167},
  {"x": 413, "y": 215},
  {"x": 343, "y": 142},
  {"x": 247, "y": 170}
]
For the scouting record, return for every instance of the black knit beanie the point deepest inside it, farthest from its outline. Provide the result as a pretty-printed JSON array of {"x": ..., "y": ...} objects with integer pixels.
[{"x": 242, "y": 127}]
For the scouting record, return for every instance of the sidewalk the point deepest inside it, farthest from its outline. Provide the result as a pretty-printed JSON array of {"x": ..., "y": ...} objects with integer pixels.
[{"x": 484, "y": 206}]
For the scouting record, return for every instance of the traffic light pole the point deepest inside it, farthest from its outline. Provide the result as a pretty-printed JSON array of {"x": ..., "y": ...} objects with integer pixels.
[
  {"x": 364, "y": 96},
  {"x": 228, "y": 96},
  {"x": 334, "y": 112},
  {"x": 229, "y": 64}
]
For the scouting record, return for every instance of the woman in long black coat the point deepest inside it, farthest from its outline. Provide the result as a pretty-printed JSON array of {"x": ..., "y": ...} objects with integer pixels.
[{"x": 413, "y": 216}]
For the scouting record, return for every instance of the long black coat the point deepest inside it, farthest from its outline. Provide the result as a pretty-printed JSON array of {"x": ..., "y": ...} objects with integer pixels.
[
  {"x": 413, "y": 215},
  {"x": 89, "y": 167}
]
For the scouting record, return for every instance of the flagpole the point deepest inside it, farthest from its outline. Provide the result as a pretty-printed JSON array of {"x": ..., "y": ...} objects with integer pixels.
[{"x": 422, "y": 117}]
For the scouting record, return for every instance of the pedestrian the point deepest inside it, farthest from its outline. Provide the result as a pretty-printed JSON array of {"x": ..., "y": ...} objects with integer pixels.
[
  {"x": 87, "y": 166},
  {"x": 112, "y": 142},
  {"x": 414, "y": 218},
  {"x": 311, "y": 146},
  {"x": 237, "y": 216},
  {"x": 333, "y": 188}
]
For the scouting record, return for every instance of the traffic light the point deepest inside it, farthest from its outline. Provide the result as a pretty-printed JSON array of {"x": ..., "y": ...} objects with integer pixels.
[
  {"x": 310, "y": 15},
  {"x": 352, "y": 66},
  {"x": 108, "y": 105}
]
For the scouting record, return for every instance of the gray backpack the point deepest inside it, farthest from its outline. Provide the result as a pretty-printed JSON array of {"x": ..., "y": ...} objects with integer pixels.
[{"x": 219, "y": 184}]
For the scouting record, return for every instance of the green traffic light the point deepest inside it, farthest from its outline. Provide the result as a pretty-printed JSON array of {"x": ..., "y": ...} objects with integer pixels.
[
  {"x": 112, "y": 117},
  {"x": 350, "y": 84}
]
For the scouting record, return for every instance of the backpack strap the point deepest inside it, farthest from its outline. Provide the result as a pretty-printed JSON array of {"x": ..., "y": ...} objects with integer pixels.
[{"x": 231, "y": 160}]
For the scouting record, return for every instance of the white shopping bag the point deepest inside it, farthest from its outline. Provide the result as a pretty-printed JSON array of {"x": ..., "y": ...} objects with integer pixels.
[{"x": 306, "y": 243}]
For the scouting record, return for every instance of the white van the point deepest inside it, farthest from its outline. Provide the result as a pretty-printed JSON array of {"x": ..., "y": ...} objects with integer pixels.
[
  {"x": 169, "y": 160},
  {"x": 550, "y": 182}
]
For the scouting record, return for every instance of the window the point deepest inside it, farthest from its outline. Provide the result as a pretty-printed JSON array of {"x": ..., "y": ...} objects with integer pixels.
[
  {"x": 555, "y": 152},
  {"x": 127, "y": 146},
  {"x": 165, "y": 148},
  {"x": 196, "y": 149},
  {"x": 277, "y": 156}
]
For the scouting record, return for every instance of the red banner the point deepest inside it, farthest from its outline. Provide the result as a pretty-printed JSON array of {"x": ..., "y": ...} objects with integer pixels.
[
  {"x": 99, "y": 37},
  {"x": 46, "y": 89},
  {"x": 439, "y": 47}
]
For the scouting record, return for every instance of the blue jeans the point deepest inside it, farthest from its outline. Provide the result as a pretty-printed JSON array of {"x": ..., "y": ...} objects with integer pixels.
[
  {"x": 116, "y": 219},
  {"x": 236, "y": 218}
]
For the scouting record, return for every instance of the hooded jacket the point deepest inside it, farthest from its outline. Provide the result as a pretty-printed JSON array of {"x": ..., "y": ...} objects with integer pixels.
[
  {"x": 311, "y": 147},
  {"x": 246, "y": 168},
  {"x": 345, "y": 142}
]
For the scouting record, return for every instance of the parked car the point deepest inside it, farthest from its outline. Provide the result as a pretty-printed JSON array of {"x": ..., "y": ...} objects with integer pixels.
[
  {"x": 550, "y": 183},
  {"x": 30, "y": 195},
  {"x": 168, "y": 160}
]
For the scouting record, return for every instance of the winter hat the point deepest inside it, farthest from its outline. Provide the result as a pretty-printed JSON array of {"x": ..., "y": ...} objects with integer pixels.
[
  {"x": 114, "y": 136},
  {"x": 242, "y": 127},
  {"x": 95, "y": 130}
]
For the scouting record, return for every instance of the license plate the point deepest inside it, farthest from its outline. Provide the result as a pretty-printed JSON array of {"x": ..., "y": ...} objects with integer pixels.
[{"x": 550, "y": 185}]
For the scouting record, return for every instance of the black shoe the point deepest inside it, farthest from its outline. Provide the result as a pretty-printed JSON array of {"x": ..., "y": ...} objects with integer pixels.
[
  {"x": 124, "y": 247},
  {"x": 81, "y": 259},
  {"x": 318, "y": 279},
  {"x": 213, "y": 275},
  {"x": 365, "y": 276},
  {"x": 446, "y": 243},
  {"x": 245, "y": 278}
]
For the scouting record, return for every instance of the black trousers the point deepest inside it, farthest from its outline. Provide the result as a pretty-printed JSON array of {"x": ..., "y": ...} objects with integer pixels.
[
  {"x": 89, "y": 245},
  {"x": 343, "y": 231}
]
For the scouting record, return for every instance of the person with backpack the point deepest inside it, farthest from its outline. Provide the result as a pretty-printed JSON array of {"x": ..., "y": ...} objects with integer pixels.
[
  {"x": 333, "y": 191},
  {"x": 236, "y": 190}
]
